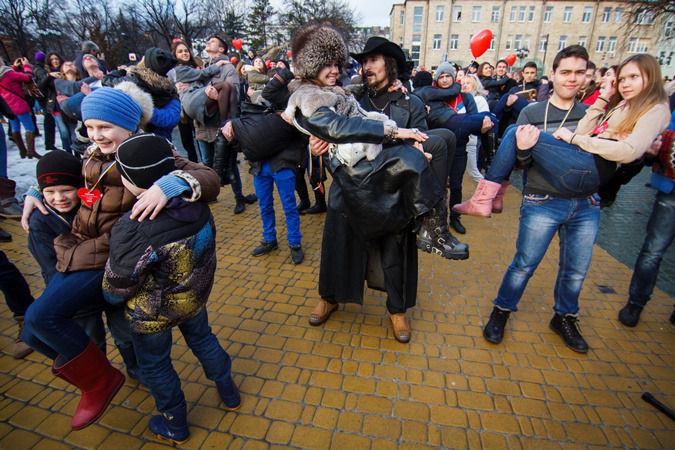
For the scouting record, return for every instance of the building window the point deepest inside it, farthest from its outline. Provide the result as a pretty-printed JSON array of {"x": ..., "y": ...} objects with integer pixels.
[
  {"x": 586, "y": 16},
  {"x": 600, "y": 45},
  {"x": 509, "y": 43},
  {"x": 402, "y": 18},
  {"x": 512, "y": 14},
  {"x": 644, "y": 17},
  {"x": 611, "y": 45},
  {"x": 668, "y": 29},
  {"x": 475, "y": 14},
  {"x": 492, "y": 43},
  {"x": 440, "y": 13},
  {"x": 456, "y": 13},
  {"x": 418, "y": 18},
  {"x": 454, "y": 41},
  {"x": 548, "y": 14},
  {"x": 562, "y": 43},
  {"x": 635, "y": 46},
  {"x": 618, "y": 13},
  {"x": 496, "y": 14},
  {"x": 542, "y": 43},
  {"x": 606, "y": 13},
  {"x": 567, "y": 14},
  {"x": 415, "y": 53},
  {"x": 518, "y": 42},
  {"x": 437, "y": 42},
  {"x": 582, "y": 41},
  {"x": 521, "y": 14},
  {"x": 530, "y": 14}
]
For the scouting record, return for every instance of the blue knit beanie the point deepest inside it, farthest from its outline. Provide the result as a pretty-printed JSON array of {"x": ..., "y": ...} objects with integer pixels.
[{"x": 113, "y": 106}]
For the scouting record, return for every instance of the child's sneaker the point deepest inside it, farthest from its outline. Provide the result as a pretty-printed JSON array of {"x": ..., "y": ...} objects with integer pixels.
[
  {"x": 171, "y": 425},
  {"x": 229, "y": 393}
]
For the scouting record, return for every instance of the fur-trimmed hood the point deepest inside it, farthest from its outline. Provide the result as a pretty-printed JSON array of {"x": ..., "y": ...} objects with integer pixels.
[
  {"x": 315, "y": 46},
  {"x": 142, "y": 98},
  {"x": 160, "y": 88}
]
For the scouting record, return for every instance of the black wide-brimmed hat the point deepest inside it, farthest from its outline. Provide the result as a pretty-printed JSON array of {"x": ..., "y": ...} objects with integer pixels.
[{"x": 384, "y": 47}]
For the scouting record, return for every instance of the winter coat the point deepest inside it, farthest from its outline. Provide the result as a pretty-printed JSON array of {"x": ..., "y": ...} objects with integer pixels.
[
  {"x": 11, "y": 88},
  {"x": 45, "y": 83},
  {"x": 86, "y": 247},
  {"x": 495, "y": 87},
  {"x": 257, "y": 82},
  {"x": 381, "y": 196},
  {"x": 406, "y": 110},
  {"x": 163, "y": 268},
  {"x": 437, "y": 99},
  {"x": 43, "y": 230}
]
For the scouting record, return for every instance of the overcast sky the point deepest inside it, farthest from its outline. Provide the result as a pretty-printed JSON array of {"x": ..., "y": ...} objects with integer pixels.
[{"x": 371, "y": 12}]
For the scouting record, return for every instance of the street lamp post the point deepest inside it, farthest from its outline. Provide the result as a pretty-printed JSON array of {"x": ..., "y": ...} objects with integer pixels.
[{"x": 522, "y": 53}]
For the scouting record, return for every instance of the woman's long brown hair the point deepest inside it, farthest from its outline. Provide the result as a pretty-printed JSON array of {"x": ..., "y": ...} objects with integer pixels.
[
  {"x": 652, "y": 94},
  {"x": 174, "y": 47}
]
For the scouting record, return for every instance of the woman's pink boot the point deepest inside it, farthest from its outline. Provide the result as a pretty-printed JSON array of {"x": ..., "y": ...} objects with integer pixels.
[
  {"x": 480, "y": 203},
  {"x": 498, "y": 202}
]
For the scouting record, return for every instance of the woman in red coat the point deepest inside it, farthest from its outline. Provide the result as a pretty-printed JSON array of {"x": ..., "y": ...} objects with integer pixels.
[{"x": 12, "y": 80}]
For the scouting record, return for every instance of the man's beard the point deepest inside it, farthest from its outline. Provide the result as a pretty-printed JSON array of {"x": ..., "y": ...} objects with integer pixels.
[{"x": 375, "y": 85}]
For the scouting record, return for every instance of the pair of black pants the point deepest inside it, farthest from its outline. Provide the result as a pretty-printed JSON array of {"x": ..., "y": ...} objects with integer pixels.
[
  {"x": 49, "y": 131},
  {"x": 187, "y": 133},
  {"x": 14, "y": 286}
]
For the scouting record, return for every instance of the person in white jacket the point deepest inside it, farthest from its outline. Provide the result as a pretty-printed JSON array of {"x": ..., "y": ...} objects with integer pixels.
[{"x": 472, "y": 85}]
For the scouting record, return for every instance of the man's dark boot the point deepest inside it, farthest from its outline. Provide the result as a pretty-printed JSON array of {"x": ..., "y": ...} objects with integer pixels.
[
  {"x": 494, "y": 329},
  {"x": 264, "y": 248},
  {"x": 630, "y": 314},
  {"x": 30, "y": 146},
  {"x": 222, "y": 160},
  {"x": 5, "y": 236},
  {"x": 456, "y": 224},
  {"x": 320, "y": 205},
  {"x": 240, "y": 205},
  {"x": 18, "y": 141},
  {"x": 568, "y": 328},
  {"x": 433, "y": 237},
  {"x": 171, "y": 425}
]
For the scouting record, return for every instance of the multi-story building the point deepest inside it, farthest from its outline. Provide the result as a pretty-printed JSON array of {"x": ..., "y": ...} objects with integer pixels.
[{"x": 441, "y": 30}]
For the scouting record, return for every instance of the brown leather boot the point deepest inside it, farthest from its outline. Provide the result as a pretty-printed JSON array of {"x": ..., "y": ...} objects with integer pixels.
[
  {"x": 21, "y": 349},
  {"x": 30, "y": 146},
  {"x": 18, "y": 140},
  {"x": 401, "y": 326},
  {"x": 322, "y": 312}
]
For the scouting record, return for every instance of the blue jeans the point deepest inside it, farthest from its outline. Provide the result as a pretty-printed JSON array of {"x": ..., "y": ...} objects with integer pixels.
[
  {"x": 24, "y": 119},
  {"x": 576, "y": 220},
  {"x": 660, "y": 234},
  {"x": 464, "y": 125},
  {"x": 569, "y": 169},
  {"x": 264, "y": 187},
  {"x": 64, "y": 131},
  {"x": 49, "y": 326},
  {"x": 153, "y": 352},
  {"x": 206, "y": 151}
]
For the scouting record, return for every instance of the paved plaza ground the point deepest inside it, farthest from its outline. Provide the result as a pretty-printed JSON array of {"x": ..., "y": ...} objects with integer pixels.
[{"x": 350, "y": 385}]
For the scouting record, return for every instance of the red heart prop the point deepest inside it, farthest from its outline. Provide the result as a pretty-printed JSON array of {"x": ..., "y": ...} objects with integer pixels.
[
  {"x": 289, "y": 54},
  {"x": 89, "y": 197},
  {"x": 480, "y": 42},
  {"x": 234, "y": 60},
  {"x": 268, "y": 63},
  {"x": 236, "y": 43},
  {"x": 510, "y": 59}
]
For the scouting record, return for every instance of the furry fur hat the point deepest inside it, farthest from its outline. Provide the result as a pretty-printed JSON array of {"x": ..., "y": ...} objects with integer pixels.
[{"x": 315, "y": 46}]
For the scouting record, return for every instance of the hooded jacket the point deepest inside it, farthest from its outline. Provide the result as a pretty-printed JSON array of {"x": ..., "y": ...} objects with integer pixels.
[
  {"x": 163, "y": 268},
  {"x": 11, "y": 88}
]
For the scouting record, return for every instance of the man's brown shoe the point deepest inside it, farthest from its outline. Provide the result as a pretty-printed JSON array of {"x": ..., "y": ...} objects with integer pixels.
[
  {"x": 401, "y": 326},
  {"x": 321, "y": 312}
]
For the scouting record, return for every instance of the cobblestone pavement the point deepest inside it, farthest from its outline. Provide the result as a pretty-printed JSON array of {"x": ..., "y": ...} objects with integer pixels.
[{"x": 350, "y": 385}]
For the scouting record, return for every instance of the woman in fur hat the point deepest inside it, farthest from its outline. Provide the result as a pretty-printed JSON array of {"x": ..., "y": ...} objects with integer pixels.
[
  {"x": 375, "y": 194},
  {"x": 111, "y": 116}
]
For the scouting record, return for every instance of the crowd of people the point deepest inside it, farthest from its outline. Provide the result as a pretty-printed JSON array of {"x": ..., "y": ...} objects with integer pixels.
[{"x": 120, "y": 225}]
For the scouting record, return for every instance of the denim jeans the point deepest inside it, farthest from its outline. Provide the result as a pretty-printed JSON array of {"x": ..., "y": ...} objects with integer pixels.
[
  {"x": 24, "y": 119},
  {"x": 153, "y": 352},
  {"x": 569, "y": 169},
  {"x": 264, "y": 187},
  {"x": 206, "y": 151},
  {"x": 49, "y": 324},
  {"x": 660, "y": 234},
  {"x": 576, "y": 220},
  {"x": 464, "y": 125},
  {"x": 64, "y": 131}
]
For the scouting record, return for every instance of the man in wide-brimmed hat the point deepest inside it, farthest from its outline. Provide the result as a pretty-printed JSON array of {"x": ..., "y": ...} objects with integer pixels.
[{"x": 383, "y": 65}]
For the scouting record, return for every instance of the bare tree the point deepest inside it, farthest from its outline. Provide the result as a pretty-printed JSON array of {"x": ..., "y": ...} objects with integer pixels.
[
  {"x": 338, "y": 13},
  {"x": 191, "y": 20},
  {"x": 158, "y": 17},
  {"x": 15, "y": 23}
]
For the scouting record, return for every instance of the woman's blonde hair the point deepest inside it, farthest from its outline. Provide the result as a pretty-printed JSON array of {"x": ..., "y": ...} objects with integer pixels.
[
  {"x": 478, "y": 88},
  {"x": 652, "y": 94}
]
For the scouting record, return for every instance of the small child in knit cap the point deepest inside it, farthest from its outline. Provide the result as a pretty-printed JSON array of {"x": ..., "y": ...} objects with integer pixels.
[{"x": 163, "y": 270}]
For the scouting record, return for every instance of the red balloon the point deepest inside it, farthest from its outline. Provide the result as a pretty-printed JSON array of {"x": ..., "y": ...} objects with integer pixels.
[
  {"x": 510, "y": 59},
  {"x": 289, "y": 54},
  {"x": 268, "y": 63},
  {"x": 234, "y": 60},
  {"x": 480, "y": 42},
  {"x": 236, "y": 43}
]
